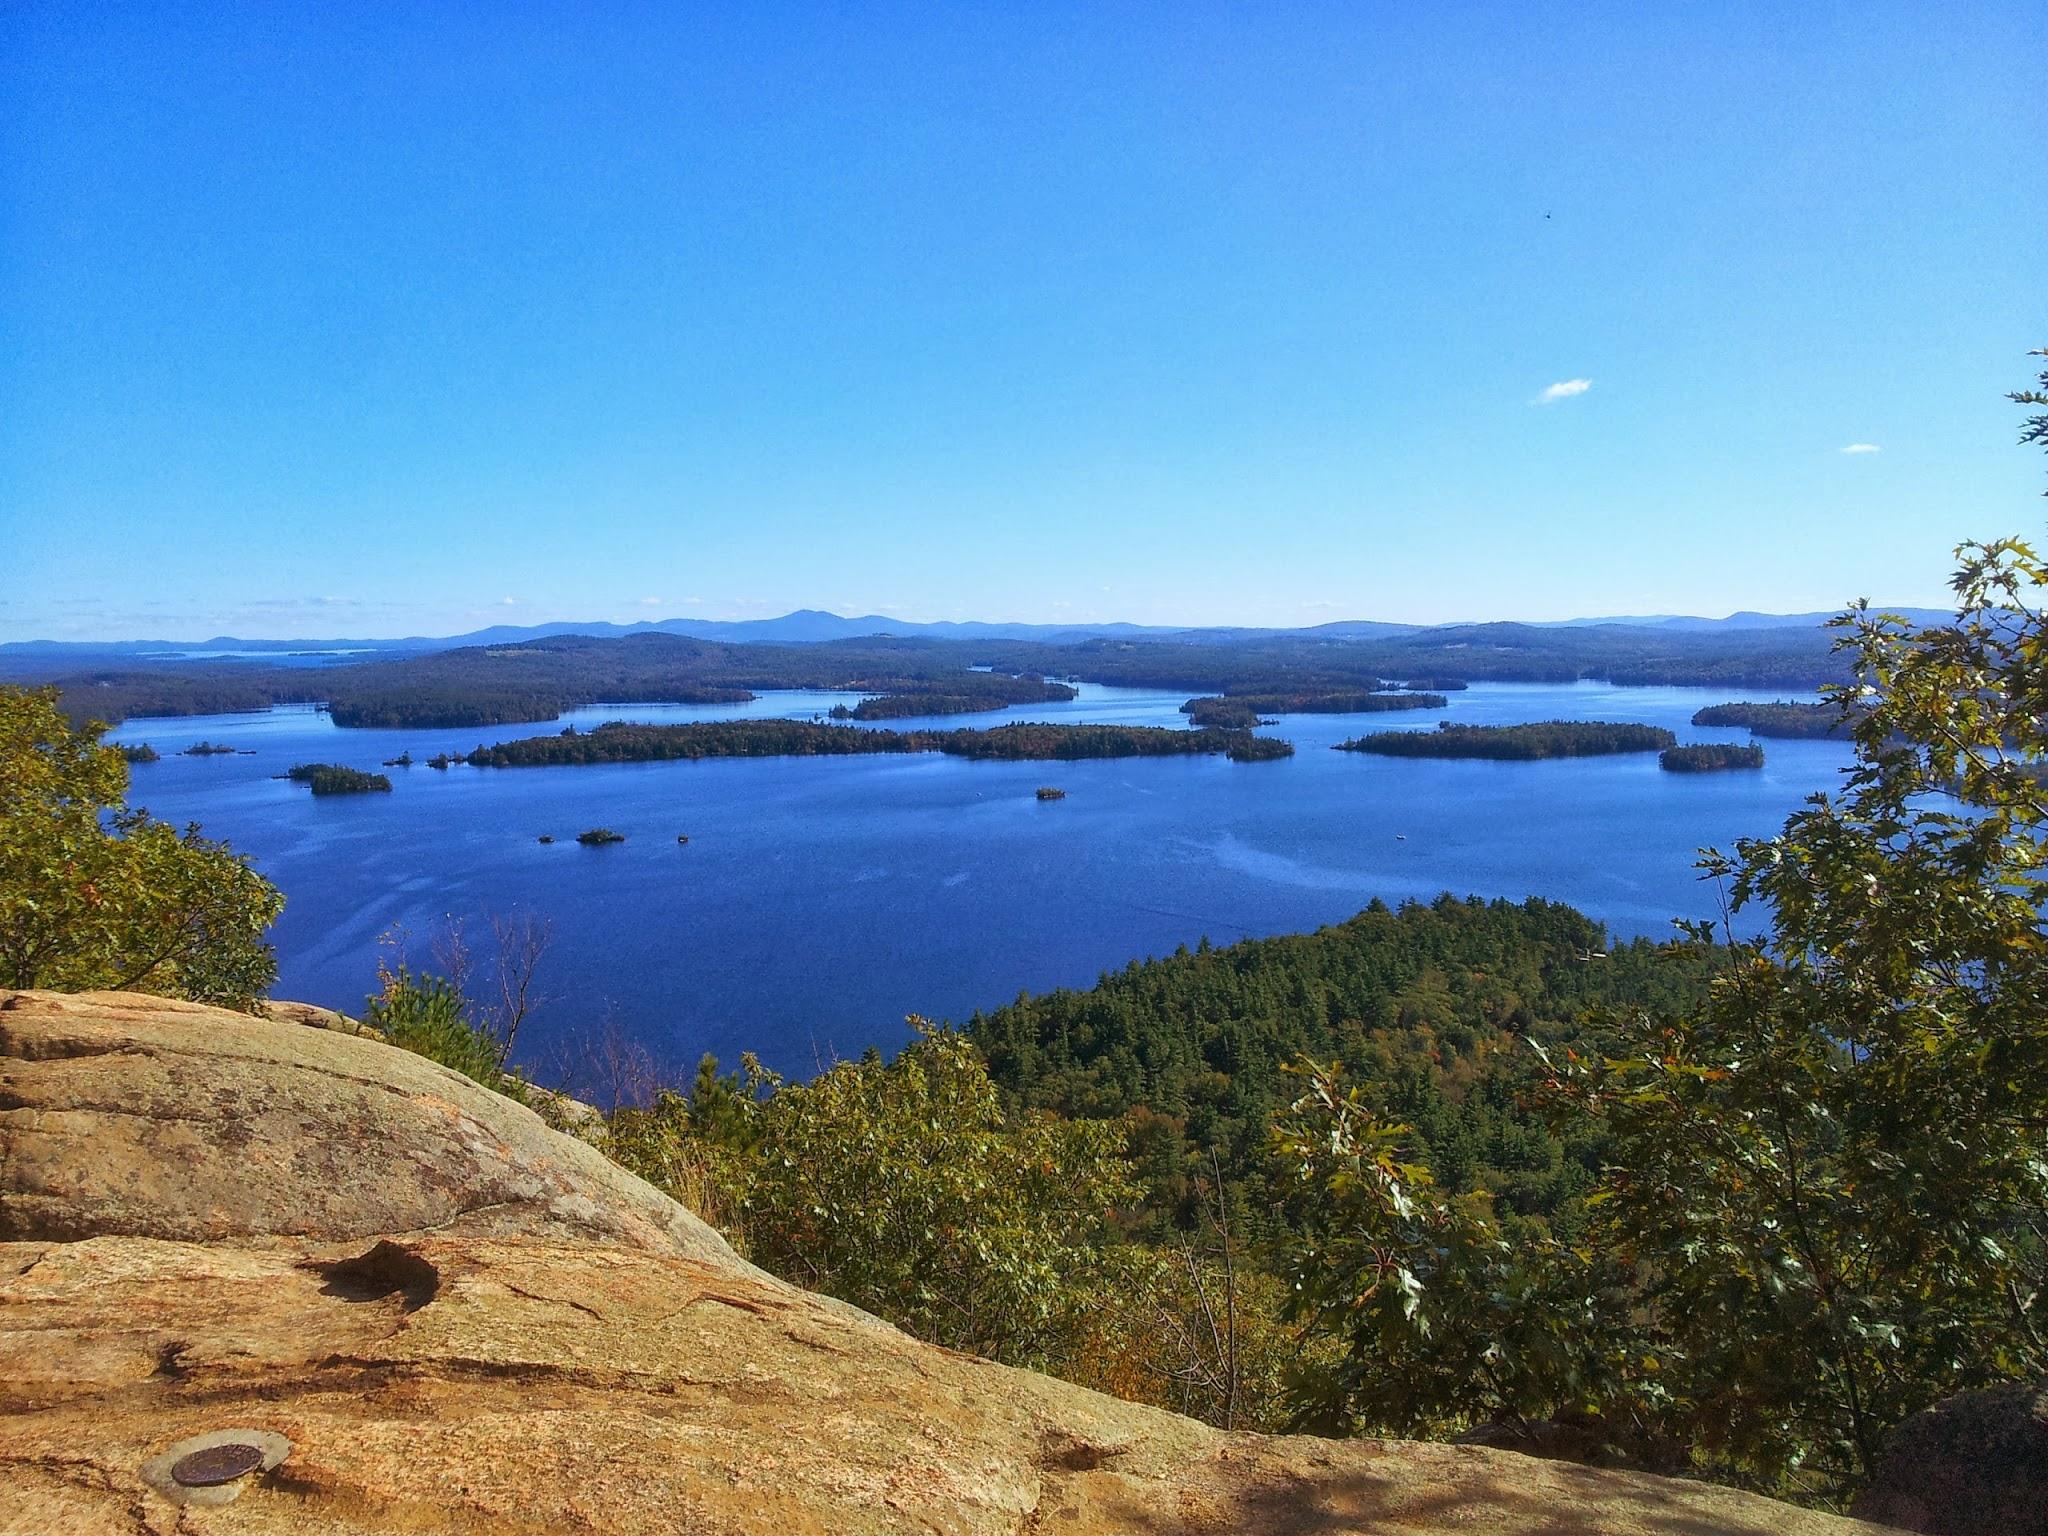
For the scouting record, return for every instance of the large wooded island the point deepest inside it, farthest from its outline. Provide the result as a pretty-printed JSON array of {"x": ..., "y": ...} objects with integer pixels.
[
  {"x": 624, "y": 743},
  {"x": 1544, "y": 738}
]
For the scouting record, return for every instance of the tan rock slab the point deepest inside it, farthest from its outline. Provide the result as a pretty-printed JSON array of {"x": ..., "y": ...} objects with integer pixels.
[{"x": 138, "y": 1116}]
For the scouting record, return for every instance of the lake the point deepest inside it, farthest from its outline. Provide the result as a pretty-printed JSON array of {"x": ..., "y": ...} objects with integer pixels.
[{"x": 820, "y": 900}]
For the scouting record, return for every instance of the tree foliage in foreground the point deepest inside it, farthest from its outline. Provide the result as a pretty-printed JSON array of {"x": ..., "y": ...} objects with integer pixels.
[
  {"x": 94, "y": 894},
  {"x": 1826, "y": 1188}
]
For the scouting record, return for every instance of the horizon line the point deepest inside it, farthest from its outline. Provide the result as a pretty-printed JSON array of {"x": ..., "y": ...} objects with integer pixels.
[{"x": 892, "y": 624}]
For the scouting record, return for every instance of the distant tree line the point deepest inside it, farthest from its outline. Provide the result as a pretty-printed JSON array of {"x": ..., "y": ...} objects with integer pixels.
[
  {"x": 1545, "y": 738},
  {"x": 1434, "y": 658},
  {"x": 537, "y": 680}
]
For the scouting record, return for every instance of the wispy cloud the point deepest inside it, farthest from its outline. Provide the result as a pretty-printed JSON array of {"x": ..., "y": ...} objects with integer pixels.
[
  {"x": 1563, "y": 389},
  {"x": 650, "y": 602},
  {"x": 508, "y": 602},
  {"x": 1861, "y": 448}
]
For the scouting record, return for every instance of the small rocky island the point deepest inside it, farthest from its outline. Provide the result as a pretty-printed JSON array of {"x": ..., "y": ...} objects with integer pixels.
[
  {"x": 334, "y": 779},
  {"x": 598, "y": 837},
  {"x": 1710, "y": 757},
  {"x": 1047, "y": 792}
]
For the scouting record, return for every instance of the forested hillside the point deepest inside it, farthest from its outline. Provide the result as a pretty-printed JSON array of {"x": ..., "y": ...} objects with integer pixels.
[{"x": 1428, "y": 1003}]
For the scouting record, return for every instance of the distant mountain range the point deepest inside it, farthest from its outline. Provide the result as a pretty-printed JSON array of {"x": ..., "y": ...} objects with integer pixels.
[{"x": 810, "y": 624}]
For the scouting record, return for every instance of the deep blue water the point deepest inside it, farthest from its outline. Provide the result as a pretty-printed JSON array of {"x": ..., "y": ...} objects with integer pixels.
[{"x": 819, "y": 900}]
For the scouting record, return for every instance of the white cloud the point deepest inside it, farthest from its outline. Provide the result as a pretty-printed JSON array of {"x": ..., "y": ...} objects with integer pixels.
[
  {"x": 508, "y": 602},
  {"x": 1861, "y": 448},
  {"x": 1563, "y": 389},
  {"x": 650, "y": 602}
]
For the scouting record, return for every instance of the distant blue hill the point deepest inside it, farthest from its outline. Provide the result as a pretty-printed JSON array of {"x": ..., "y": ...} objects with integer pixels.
[
  {"x": 1751, "y": 620},
  {"x": 811, "y": 625}
]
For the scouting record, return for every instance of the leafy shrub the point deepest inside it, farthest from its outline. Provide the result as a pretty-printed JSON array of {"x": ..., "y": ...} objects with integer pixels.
[
  {"x": 1435, "y": 1319},
  {"x": 1824, "y": 1200},
  {"x": 428, "y": 1015},
  {"x": 903, "y": 1188},
  {"x": 94, "y": 894}
]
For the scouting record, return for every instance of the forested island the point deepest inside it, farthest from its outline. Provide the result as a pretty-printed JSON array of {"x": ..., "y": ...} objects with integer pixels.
[
  {"x": 139, "y": 752},
  {"x": 1710, "y": 757},
  {"x": 1544, "y": 738},
  {"x": 1223, "y": 714},
  {"x": 1242, "y": 711},
  {"x": 1784, "y": 719},
  {"x": 619, "y": 742},
  {"x": 334, "y": 779},
  {"x": 209, "y": 749}
]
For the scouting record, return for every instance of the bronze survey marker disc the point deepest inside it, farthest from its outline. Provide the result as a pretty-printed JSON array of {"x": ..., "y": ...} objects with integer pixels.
[{"x": 216, "y": 1465}]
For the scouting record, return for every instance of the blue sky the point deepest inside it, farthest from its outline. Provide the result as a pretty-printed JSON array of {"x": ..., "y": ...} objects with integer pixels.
[{"x": 404, "y": 319}]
